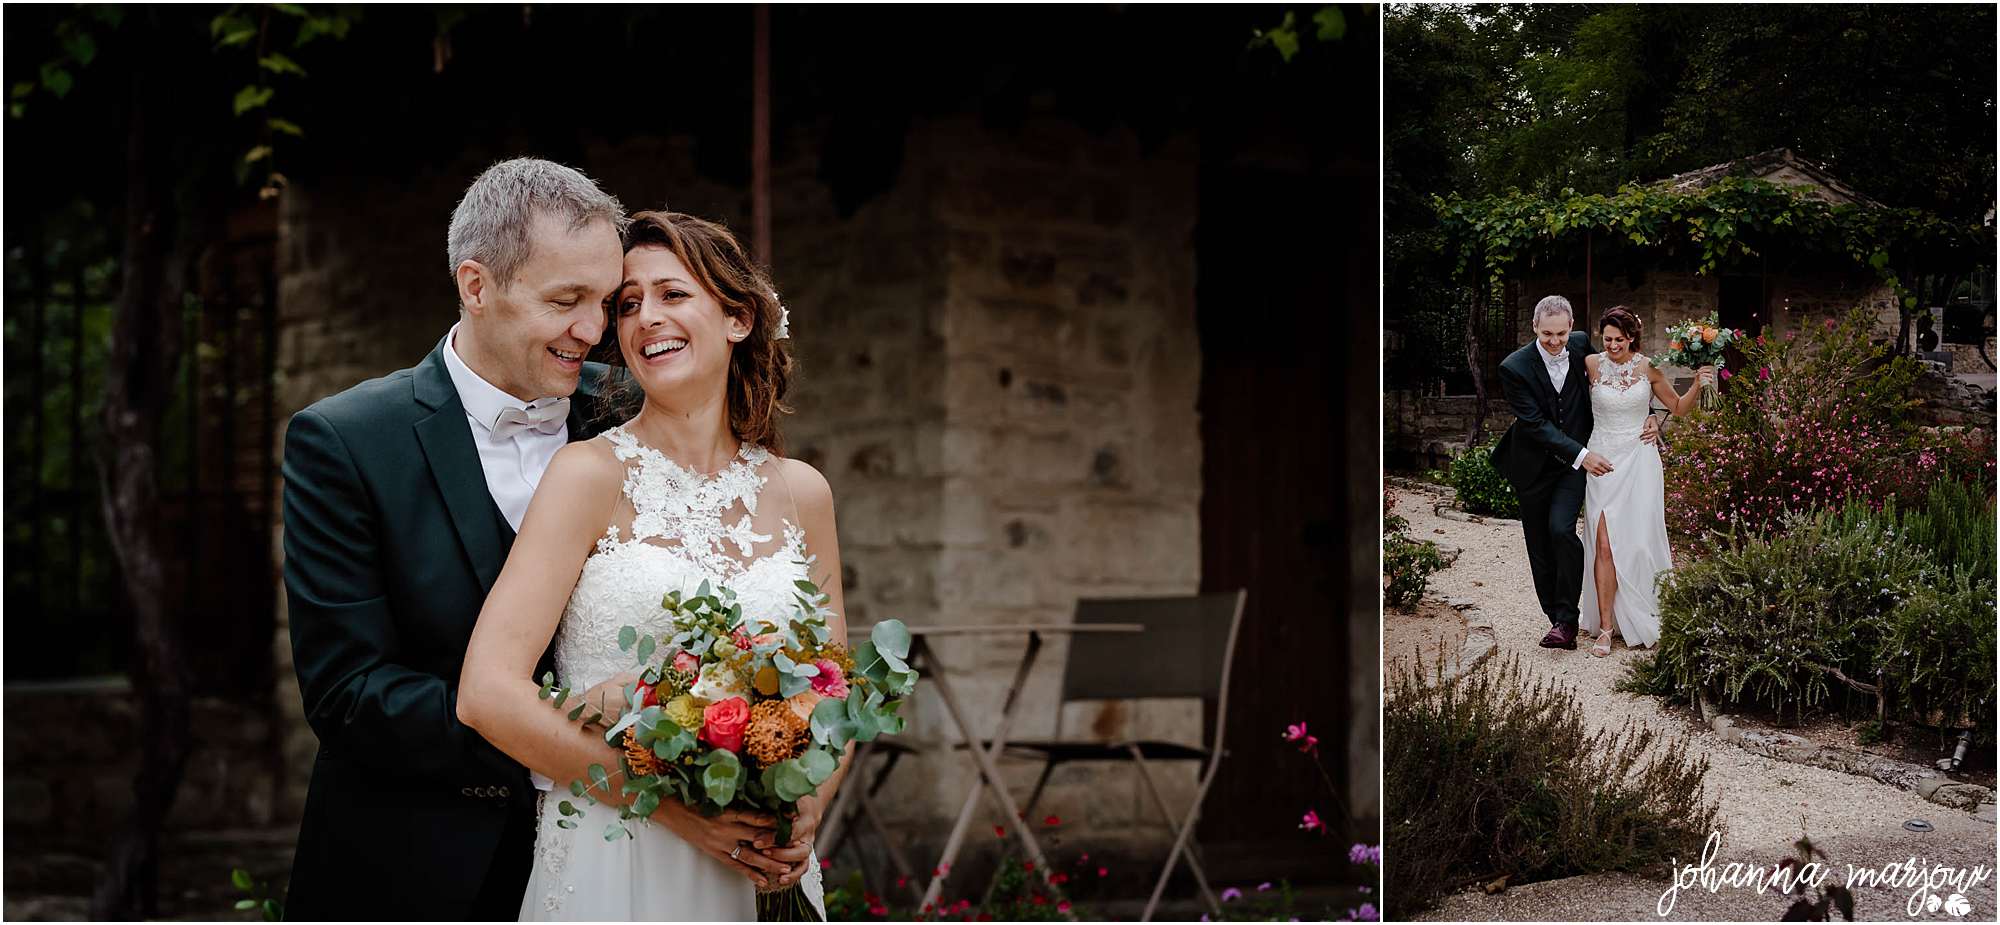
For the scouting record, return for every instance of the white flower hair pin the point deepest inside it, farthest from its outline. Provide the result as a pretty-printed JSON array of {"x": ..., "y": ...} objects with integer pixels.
[{"x": 784, "y": 318}]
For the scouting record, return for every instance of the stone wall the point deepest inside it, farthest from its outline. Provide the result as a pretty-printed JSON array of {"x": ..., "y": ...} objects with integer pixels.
[
  {"x": 1662, "y": 298},
  {"x": 71, "y": 758},
  {"x": 1423, "y": 431}
]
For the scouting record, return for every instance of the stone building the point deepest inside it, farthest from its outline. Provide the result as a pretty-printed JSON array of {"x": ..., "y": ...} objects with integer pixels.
[{"x": 1779, "y": 290}]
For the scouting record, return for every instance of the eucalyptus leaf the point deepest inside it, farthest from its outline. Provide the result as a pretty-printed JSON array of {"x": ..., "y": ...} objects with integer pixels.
[
  {"x": 818, "y": 765},
  {"x": 627, "y": 638},
  {"x": 241, "y": 878},
  {"x": 721, "y": 777},
  {"x": 646, "y": 803},
  {"x": 646, "y": 646},
  {"x": 576, "y": 788},
  {"x": 600, "y": 777},
  {"x": 615, "y": 831},
  {"x": 243, "y": 904},
  {"x": 791, "y": 685},
  {"x": 891, "y": 637}
]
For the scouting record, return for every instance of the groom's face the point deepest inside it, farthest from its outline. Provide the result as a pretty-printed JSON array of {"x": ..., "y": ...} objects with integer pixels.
[
  {"x": 535, "y": 328},
  {"x": 1553, "y": 333}
]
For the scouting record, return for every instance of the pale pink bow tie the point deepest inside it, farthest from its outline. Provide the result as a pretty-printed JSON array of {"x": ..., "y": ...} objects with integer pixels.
[{"x": 547, "y": 418}]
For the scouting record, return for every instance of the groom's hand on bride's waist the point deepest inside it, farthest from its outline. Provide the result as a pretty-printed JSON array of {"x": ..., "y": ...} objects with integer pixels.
[{"x": 1596, "y": 464}]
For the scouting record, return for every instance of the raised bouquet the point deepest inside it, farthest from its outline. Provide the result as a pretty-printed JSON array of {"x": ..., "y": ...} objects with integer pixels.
[
  {"x": 742, "y": 712},
  {"x": 1698, "y": 343}
]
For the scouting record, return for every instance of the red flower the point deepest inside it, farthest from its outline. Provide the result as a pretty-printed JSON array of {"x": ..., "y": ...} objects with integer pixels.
[
  {"x": 1052, "y": 820},
  {"x": 722, "y": 723},
  {"x": 879, "y": 911},
  {"x": 999, "y": 831},
  {"x": 1062, "y": 906},
  {"x": 1028, "y": 867},
  {"x": 1104, "y": 872},
  {"x": 741, "y": 639},
  {"x": 1059, "y": 879},
  {"x": 649, "y": 695}
]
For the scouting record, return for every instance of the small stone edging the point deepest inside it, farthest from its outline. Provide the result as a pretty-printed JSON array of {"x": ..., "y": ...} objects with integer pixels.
[
  {"x": 1479, "y": 645},
  {"x": 1926, "y": 782}
]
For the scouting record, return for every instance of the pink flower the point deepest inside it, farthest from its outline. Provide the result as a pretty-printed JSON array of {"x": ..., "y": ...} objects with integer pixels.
[
  {"x": 1310, "y": 821},
  {"x": 1295, "y": 732},
  {"x": 722, "y": 723},
  {"x": 1231, "y": 895},
  {"x": 1724, "y": 373},
  {"x": 686, "y": 662},
  {"x": 1763, "y": 372},
  {"x": 829, "y": 682},
  {"x": 1062, "y": 906}
]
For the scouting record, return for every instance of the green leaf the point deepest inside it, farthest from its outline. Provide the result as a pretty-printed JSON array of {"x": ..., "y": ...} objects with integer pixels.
[
  {"x": 273, "y": 912},
  {"x": 23, "y": 88},
  {"x": 57, "y": 80},
  {"x": 830, "y": 726},
  {"x": 788, "y": 780},
  {"x": 600, "y": 777},
  {"x": 891, "y": 637},
  {"x": 577, "y": 713},
  {"x": 17, "y": 110},
  {"x": 615, "y": 831},
  {"x": 250, "y": 98},
  {"x": 279, "y": 64},
  {"x": 241, "y": 878},
  {"x": 565, "y": 823},
  {"x": 81, "y": 47},
  {"x": 568, "y": 809},
  {"x": 256, "y": 154},
  {"x": 243, "y": 904},
  {"x": 561, "y": 696},
  {"x": 645, "y": 803},
  {"x": 239, "y": 37},
  {"x": 107, "y": 13},
  {"x": 646, "y": 647},
  {"x": 721, "y": 777},
  {"x": 576, "y": 788},
  {"x": 790, "y": 685},
  {"x": 227, "y": 22},
  {"x": 1332, "y": 23},
  {"x": 818, "y": 765},
  {"x": 289, "y": 9},
  {"x": 627, "y": 638},
  {"x": 1285, "y": 40}
]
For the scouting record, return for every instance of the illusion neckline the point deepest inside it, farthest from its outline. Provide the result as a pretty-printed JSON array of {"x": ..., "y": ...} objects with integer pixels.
[{"x": 747, "y": 454}]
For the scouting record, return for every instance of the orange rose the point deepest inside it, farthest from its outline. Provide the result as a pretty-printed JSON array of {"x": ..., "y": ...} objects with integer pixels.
[
  {"x": 803, "y": 702},
  {"x": 1708, "y": 335},
  {"x": 1673, "y": 345}
]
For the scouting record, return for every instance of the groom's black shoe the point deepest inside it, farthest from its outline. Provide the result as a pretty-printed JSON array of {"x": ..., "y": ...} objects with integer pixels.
[{"x": 1561, "y": 636}]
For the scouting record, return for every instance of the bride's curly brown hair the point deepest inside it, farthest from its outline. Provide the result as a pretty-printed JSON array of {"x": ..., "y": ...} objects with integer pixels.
[{"x": 760, "y": 365}]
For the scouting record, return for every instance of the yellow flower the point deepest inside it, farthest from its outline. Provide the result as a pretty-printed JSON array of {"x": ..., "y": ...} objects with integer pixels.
[{"x": 685, "y": 711}]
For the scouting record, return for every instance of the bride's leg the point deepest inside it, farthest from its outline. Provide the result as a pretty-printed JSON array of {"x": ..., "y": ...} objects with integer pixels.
[{"x": 1605, "y": 571}]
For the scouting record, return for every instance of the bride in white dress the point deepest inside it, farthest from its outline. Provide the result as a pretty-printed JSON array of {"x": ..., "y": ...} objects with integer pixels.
[
  {"x": 688, "y": 490},
  {"x": 1625, "y": 508}
]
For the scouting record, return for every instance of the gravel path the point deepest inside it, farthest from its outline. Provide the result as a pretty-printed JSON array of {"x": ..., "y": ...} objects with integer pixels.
[{"x": 1857, "y": 821}]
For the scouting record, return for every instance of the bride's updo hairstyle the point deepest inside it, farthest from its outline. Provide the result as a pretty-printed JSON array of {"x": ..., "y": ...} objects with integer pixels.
[
  {"x": 760, "y": 365},
  {"x": 1622, "y": 318}
]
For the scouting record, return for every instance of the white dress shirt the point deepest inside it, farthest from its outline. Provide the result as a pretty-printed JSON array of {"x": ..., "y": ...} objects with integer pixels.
[
  {"x": 513, "y": 464},
  {"x": 1558, "y": 365}
]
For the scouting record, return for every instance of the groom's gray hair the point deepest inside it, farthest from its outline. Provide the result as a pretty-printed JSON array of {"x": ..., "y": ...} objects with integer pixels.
[
  {"x": 1552, "y": 305},
  {"x": 491, "y": 222}
]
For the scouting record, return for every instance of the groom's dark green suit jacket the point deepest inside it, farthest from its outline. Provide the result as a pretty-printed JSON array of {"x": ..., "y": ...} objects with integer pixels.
[{"x": 391, "y": 543}]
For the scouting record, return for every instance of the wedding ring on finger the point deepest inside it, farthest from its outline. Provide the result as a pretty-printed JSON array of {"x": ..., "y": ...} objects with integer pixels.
[{"x": 737, "y": 854}]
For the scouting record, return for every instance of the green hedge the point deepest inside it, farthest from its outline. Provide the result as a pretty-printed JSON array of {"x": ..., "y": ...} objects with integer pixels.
[{"x": 1481, "y": 488}]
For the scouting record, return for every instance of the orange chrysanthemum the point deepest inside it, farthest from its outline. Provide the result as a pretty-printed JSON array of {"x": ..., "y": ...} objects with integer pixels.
[
  {"x": 641, "y": 758},
  {"x": 775, "y": 733}
]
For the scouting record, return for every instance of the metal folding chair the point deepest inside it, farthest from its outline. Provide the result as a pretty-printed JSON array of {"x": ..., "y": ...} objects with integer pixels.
[{"x": 1185, "y": 651}]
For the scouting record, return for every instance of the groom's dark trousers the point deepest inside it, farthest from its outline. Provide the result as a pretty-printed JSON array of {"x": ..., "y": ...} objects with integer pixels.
[
  {"x": 391, "y": 543},
  {"x": 1537, "y": 455}
]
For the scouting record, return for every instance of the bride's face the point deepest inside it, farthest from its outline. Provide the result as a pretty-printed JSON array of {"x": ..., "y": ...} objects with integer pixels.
[
  {"x": 1616, "y": 344},
  {"x": 673, "y": 334}
]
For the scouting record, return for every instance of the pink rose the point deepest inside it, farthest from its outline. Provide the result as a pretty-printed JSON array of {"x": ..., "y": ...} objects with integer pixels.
[
  {"x": 830, "y": 682},
  {"x": 685, "y": 661},
  {"x": 722, "y": 723}
]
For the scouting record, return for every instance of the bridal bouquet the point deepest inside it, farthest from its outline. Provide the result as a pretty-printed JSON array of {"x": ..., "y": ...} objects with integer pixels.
[
  {"x": 1698, "y": 343},
  {"x": 743, "y": 712}
]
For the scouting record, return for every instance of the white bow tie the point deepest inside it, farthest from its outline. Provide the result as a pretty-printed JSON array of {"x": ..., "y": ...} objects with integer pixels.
[
  {"x": 1557, "y": 360},
  {"x": 547, "y": 419}
]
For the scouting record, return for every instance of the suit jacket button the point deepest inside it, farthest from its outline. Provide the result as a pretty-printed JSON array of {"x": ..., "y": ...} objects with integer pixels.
[
  {"x": 503, "y": 791},
  {"x": 465, "y": 790}
]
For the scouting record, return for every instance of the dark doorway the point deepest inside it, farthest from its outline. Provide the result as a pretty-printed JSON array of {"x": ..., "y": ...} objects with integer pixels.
[{"x": 1273, "y": 503}]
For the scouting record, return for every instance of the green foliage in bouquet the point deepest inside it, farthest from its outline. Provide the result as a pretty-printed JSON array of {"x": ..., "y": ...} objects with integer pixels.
[
  {"x": 1495, "y": 775},
  {"x": 1481, "y": 488},
  {"x": 661, "y": 732}
]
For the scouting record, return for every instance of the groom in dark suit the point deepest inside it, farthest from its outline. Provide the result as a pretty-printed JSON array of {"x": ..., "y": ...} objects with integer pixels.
[
  {"x": 1543, "y": 456},
  {"x": 401, "y": 499}
]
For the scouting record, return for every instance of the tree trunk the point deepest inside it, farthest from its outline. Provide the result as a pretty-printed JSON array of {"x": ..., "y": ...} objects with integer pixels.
[
  {"x": 144, "y": 349},
  {"x": 1475, "y": 316}
]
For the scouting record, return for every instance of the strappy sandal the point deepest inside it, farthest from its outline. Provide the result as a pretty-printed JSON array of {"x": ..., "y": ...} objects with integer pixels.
[{"x": 1603, "y": 646}]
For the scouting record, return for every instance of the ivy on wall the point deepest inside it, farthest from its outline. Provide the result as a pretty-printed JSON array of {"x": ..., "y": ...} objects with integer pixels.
[{"x": 1733, "y": 219}]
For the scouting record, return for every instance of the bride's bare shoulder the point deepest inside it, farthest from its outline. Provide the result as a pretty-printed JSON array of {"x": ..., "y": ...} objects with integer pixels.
[
  {"x": 807, "y": 484},
  {"x": 587, "y": 463}
]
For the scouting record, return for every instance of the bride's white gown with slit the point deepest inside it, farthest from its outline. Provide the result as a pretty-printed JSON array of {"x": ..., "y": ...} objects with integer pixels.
[
  {"x": 1631, "y": 502},
  {"x": 674, "y": 529}
]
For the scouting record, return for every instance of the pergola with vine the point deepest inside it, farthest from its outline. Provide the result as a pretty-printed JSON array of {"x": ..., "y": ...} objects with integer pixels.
[{"x": 1716, "y": 228}]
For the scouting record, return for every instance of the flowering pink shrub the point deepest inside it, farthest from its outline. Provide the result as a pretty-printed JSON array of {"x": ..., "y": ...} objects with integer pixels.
[{"x": 1821, "y": 422}]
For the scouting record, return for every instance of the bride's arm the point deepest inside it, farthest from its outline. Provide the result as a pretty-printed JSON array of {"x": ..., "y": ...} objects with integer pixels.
[
  {"x": 814, "y": 498},
  {"x": 1677, "y": 404},
  {"x": 497, "y": 693}
]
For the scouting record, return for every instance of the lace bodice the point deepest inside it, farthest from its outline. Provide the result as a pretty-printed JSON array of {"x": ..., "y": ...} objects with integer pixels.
[
  {"x": 676, "y": 528},
  {"x": 1619, "y": 401}
]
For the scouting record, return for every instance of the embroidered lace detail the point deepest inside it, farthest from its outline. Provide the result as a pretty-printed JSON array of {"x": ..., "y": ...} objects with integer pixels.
[
  {"x": 1620, "y": 376},
  {"x": 686, "y": 528},
  {"x": 552, "y": 844},
  {"x": 1617, "y": 409}
]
